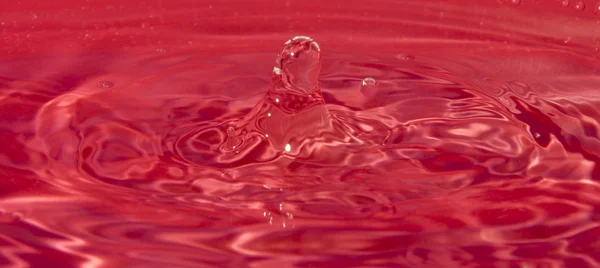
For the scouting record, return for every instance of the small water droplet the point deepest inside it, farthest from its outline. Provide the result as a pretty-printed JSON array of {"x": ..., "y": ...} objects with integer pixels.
[
  {"x": 105, "y": 84},
  {"x": 597, "y": 8},
  {"x": 288, "y": 147},
  {"x": 405, "y": 57},
  {"x": 579, "y": 6},
  {"x": 565, "y": 3},
  {"x": 515, "y": 2},
  {"x": 161, "y": 50},
  {"x": 276, "y": 100},
  {"x": 368, "y": 86},
  {"x": 269, "y": 114}
]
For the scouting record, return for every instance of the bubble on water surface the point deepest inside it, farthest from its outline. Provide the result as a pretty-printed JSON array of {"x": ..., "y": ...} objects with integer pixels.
[{"x": 368, "y": 86}]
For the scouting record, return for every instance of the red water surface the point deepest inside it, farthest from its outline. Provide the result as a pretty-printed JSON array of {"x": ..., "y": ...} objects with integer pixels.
[{"x": 403, "y": 134}]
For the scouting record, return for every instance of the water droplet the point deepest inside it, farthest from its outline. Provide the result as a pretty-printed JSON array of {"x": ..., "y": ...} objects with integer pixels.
[
  {"x": 565, "y": 3},
  {"x": 269, "y": 114},
  {"x": 299, "y": 64},
  {"x": 161, "y": 50},
  {"x": 368, "y": 86},
  {"x": 105, "y": 84},
  {"x": 405, "y": 57},
  {"x": 579, "y": 6},
  {"x": 288, "y": 147},
  {"x": 515, "y": 2},
  {"x": 597, "y": 8}
]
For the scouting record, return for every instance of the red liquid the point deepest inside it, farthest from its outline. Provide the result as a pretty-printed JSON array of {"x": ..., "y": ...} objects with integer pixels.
[{"x": 135, "y": 134}]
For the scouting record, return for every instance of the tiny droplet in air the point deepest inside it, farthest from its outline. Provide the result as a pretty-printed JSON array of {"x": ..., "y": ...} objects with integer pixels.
[
  {"x": 288, "y": 147},
  {"x": 368, "y": 86}
]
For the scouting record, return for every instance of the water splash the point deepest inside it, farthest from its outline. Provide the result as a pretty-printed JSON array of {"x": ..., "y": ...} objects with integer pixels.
[
  {"x": 299, "y": 65},
  {"x": 233, "y": 141},
  {"x": 293, "y": 111}
]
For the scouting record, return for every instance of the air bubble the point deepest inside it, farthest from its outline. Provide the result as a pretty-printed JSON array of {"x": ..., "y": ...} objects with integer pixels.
[
  {"x": 579, "y": 6},
  {"x": 368, "y": 86},
  {"x": 105, "y": 84}
]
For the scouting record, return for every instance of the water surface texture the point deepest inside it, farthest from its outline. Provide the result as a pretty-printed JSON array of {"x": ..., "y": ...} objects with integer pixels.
[{"x": 381, "y": 134}]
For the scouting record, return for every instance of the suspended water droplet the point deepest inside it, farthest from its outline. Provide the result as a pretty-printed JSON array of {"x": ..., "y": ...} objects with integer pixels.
[
  {"x": 288, "y": 147},
  {"x": 105, "y": 84},
  {"x": 299, "y": 65},
  {"x": 579, "y": 6},
  {"x": 368, "y": 86},
  {"x": 565, "y": 3}
]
